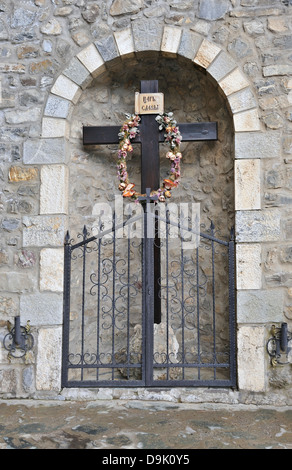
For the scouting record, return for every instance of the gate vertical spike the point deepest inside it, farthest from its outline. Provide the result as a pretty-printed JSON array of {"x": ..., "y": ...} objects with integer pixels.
[
  {"x": 212, "y": 227},
  {"x": 67, "y": 238},
  {"x": 84, "y": 232},
  {"x": 167, "y": 219},
  {"x": 114, "y": 222},
  {"x": 232, "y": 234}
]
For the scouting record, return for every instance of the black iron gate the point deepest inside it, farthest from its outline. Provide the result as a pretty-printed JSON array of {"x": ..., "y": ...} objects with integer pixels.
[{"x": 110, "y": 337}]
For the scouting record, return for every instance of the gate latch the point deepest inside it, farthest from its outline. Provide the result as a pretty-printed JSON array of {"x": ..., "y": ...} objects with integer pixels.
[{"x": 278, "y": 344}]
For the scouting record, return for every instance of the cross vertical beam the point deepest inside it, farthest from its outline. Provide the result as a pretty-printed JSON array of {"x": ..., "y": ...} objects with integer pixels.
[
  {"x": 150, "y": 178},
  {"x": 149, "y": 136}
]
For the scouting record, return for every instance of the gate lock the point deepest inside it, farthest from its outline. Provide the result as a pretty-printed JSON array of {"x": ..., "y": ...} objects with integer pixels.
[{"x": 278, "y": 344}]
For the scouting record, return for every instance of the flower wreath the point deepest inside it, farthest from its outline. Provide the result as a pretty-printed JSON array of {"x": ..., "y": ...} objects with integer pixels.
[{"x": 172, "y": 135}]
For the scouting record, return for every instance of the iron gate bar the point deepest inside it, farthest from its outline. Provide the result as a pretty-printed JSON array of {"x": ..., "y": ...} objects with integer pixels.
[
  {"x": 101, "y": 234},
  {"x": 213, "y": 296},
  {"x": 98, "y": 309},
  {"x": 232, "y": 326},
  {"x": 187, "y": 229},
  {"x": 198, "y": 308},
  {"x": 83, "y": 300},
  {"x": 149, "y": 293},
  {"x": 113, "y": 299},
  {"x": 182, "y": 313},
  {"x": 167, "y": 292},
  {"x": 66, "y": 309}
]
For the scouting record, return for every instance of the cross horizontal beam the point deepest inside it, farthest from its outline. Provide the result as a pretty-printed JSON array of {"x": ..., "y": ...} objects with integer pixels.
[{"x": 191, "y": 132}]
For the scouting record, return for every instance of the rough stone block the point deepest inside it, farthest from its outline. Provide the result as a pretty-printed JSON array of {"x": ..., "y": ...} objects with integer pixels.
[
  {"x": 125, "y": 42},
  {"x": 221, "y": 66},
  {"x": 248, "y": 266},
  {"x": 28, "y": 379},
  {"x": 8, "y": 381},
  {"x": 242, "y": 100},
  {"x": 258, "y": 226},
  {"x": 17, "y": 174},
  {"x": 258, "y": 144},
  {"x": 92, "y": 60},
  {"x": 212, "y": 9},
  {"x": 52, "y": 269},
  {"x": 90, "y": 12},
  {"x": 43, "y": 309},
  {"x": 251, "y": 358},
  {"x": 252, "y": 12},
  {"x": 107, "y": 48},
  {"x": 202, "y": 27},
  {"x": 120, "y": 7},
  {"x": 54, "y": 189},
  {"x": 43, "y": 230},
  {"x": 54, "y": 127},
  {"x": 8, "y": 306},
  {"x": 189, "y": 44},
  {"x": 17, "y": 282},
  {"x": 53, "y": 28},
  {"x": 22, "y": 18},
  {"x": 233, "y": 82},
  {"x": 260, "y": 306},
  {"x": 67, "y": 89},
  {"x": 147, "y": 35},
  {"x": 78, "y": 73},
  {"x": 247, "y": 184},
  {"x": 12, "y": 68},
  {"x": 271, "y": 70},
  {"x": 48, "y": 366},
  {"x": 277, "y": 25},
  {"x": 206, "y": 53},
  {"x": 246, "y": 121},
  {"x": 44, "y": 151},
  {"x": 10, "y": 223},
  {"x": 170, "y": 40},
  {"x": 20, "y": 117},
  {"x": 57, "y": 107}
]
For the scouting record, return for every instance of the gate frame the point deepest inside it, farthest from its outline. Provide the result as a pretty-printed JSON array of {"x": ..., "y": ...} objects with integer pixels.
[{"x": 147, "y": 353}]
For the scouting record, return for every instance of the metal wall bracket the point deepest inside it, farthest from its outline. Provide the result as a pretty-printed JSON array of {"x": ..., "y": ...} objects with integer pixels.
[
  {"x": 19, "y": 340},
  {"x": 278, "y": 344}
]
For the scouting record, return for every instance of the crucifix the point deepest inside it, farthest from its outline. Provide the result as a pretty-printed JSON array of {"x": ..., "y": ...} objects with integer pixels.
[{"x": 149, "y": 137}]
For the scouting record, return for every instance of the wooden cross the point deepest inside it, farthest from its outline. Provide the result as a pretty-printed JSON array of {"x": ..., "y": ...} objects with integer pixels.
[{"x": 149, "y": 137}]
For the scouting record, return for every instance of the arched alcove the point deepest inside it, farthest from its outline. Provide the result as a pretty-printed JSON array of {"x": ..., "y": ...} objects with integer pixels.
[
  {"x": 207, "y": 167},
  {"x": 93, "y": 73}
]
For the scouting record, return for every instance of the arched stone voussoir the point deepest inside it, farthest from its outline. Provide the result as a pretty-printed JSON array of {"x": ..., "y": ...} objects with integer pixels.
[
  {"x": 170, "y": 41},
  {"x": 232, "y": 83},
  {"x": 65, "y": 88},
  {"x": 206, "y": 54},
  {"x": 147, "y": 35},
  {"x": 92, "y": 60}
]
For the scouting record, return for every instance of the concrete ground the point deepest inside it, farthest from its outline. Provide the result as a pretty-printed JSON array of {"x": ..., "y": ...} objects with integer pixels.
[{"x": 121, "y": 424}]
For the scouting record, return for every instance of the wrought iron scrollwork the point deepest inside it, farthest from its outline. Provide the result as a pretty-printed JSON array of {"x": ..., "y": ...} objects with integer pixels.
[
  {"x": 19, "y": 340},
  {"x": 278, "y": 345}
]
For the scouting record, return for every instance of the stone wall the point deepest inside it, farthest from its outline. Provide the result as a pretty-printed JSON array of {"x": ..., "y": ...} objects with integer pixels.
[{"x": 55, "y": 56}]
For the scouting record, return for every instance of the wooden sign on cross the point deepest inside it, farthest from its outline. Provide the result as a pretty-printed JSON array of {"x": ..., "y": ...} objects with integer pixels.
[{"x": 149, "y": 137}]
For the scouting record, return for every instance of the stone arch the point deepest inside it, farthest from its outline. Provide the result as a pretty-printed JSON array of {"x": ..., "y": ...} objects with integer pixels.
[
  {"x": 231, "y": 82},
  {"x": 248, "y": 137}
]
